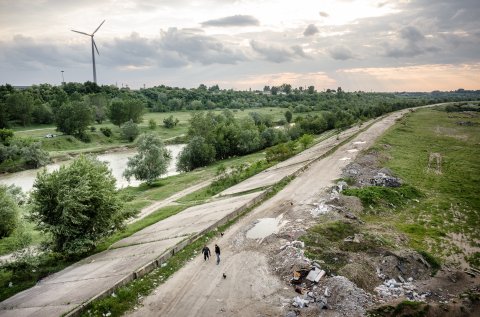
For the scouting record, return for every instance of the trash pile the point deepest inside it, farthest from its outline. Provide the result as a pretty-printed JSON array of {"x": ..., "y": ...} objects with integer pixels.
[
  {"x": 316, "y": 290},
  {"x": 335, "y": 293},
  {"x": 391, "y": 289},
  {"x": 290, "y": 258}
]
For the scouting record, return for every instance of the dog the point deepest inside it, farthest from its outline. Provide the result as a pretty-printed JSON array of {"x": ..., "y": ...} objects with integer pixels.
[{"x": 224, "y": 276}]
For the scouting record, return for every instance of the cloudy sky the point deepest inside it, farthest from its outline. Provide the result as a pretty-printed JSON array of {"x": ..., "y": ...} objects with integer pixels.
[{"x": 369, "y": 45}]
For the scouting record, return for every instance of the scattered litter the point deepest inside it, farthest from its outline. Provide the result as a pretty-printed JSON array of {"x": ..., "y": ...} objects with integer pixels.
[
  {"x": 163, "y": 265},
  {"x": 300, "y": 302},
  {"x": 360, "y": 142},
  {"x": 345, "y": 158},
  {"x": 320, "y": 209}
]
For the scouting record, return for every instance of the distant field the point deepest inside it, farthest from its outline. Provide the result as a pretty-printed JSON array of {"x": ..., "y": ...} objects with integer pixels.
[{"x": 62, "y": 144}]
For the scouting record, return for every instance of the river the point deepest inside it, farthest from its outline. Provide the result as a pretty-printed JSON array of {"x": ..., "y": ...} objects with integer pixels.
[{"x": 117, "y": 161}]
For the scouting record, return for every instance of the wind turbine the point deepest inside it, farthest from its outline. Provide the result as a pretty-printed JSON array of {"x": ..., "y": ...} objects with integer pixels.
[{"x": 93, "y": 52}]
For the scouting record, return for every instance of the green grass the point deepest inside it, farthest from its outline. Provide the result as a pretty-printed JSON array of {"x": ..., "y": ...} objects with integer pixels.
[
  {"x": 450, "y": 198},
  {"x": 384, "y": 196}
]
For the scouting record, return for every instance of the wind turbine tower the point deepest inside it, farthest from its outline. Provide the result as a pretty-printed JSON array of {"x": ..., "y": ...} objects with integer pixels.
[{"x": 93, "y": 51}]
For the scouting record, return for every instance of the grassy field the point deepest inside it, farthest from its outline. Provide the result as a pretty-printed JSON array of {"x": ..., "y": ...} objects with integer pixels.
[
  {"x": 64, "y": 144},
  {"x": 439, "y": 154}
]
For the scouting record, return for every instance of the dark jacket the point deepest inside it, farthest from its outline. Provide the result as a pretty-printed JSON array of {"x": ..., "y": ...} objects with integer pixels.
[
  {"x": 217, "y": 250},
  {"x": 206, "y": 251}
]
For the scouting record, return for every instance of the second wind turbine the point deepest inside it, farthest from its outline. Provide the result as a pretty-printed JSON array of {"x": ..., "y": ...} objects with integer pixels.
[{"x": 93, "y": 51}]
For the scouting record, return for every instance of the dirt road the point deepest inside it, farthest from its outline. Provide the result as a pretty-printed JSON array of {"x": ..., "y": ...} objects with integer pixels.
[{"x": 251, "y": 288}]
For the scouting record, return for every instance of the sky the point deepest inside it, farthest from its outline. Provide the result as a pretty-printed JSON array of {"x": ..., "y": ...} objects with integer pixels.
[{"x": 366, "y": 45}]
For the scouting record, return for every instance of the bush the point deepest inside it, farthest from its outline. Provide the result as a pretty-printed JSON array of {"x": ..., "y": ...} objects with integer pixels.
[
  {"x": 197, "y": 153},
  {"x": 170, "y": 122},
  {"x": 280, "y": 152},
  {"x": 130, "y": 131},
  {"x": 106, "y": 132},
  {"x": 9, "y": 213},
  {"x": 152, "y": 125}
]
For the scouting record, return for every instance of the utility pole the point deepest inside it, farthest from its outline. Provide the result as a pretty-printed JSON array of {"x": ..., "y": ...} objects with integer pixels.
[{"x": 63, "y": 79}]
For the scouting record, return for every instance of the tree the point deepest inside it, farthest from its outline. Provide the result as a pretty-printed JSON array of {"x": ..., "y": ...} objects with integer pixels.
[
  {"x": 99, "y": 104},
  {"x": 288, "y": 116},
  {"x": 20, "y": 105},
  {"x": 311, "y": 89},
  {"x": 77, "y": 205},
  {"x": 73, "y": 118},
  {"x": 42, "y": 113},
  {"x": 130, "y": 131},
  {"x": 9, "y": 213},
  {"x": 197, "y": 153},
  {"x": 5, "y": 136},
  {"x": 34, "y": 156},
  {"x": 122, "y": 111},
  {"x": 151, "y": 161}
]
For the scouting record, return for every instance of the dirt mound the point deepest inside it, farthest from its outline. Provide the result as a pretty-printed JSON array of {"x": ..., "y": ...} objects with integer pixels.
[
  {"x": 344, "y": 296},
  {"x": 406, "y": 263},
  {"x": 362, "y": 273}
]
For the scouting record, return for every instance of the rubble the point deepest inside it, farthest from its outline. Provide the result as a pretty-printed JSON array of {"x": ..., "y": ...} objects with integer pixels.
[
  {"x": 320, "y": 209},
  {"x": 384, "y": 180},
  {"x": 391, "y": 289}
]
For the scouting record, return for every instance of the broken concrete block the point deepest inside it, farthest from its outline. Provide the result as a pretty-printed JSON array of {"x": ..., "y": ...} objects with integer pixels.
[
  {"x": 312, "y": 275},
  {"x": 319, "y": 276}
]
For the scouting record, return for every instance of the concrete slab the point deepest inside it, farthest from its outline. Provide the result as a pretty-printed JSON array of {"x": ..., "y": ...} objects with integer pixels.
[
  {"x": 266, "y": 178},
  {"x": 45, "y": 311},
  {"x": 189, "y": 221},
  {"x": 59, "y": 294}
]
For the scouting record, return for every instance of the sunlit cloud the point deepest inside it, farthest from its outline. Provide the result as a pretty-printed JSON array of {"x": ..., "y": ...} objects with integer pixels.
[{"x": 416, "y": 78}]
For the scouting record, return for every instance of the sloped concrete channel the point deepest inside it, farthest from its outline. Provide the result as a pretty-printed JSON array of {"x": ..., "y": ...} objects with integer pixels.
[{"x": 69, "y": 291}]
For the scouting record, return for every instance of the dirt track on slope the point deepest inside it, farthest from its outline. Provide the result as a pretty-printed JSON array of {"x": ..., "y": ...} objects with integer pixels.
[{"x": 251, "y": 288}]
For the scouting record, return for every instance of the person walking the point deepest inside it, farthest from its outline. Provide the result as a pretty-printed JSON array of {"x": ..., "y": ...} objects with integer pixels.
[
  {"x": 217, "y": 253},
  {"x": 206, "y": 253}
]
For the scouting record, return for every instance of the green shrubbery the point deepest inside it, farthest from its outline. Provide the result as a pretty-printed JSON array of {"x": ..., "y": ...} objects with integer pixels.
[{"x": 378, "y": 195}]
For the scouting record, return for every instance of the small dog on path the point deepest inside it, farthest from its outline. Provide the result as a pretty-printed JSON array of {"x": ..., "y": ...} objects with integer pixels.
[{"x": 224, "y": 276}]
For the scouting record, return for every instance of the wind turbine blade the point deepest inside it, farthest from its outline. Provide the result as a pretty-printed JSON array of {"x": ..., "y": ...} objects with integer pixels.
[
  {"x": 80, "y": 32},
  {"x": 94, "y": 44},
  {"x": 98, "y": 27}
]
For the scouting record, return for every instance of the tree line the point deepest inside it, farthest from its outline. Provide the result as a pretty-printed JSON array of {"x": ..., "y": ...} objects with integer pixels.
[{"x": 40, "y": 104}]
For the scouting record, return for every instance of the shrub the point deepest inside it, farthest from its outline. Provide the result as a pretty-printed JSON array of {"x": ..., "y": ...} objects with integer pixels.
[
  {"x": 106, "y": 132},
  {"x": 9, "y": 213},
  {"x": 130, "y": 131},
  {"x": 152, "y": 124}
]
